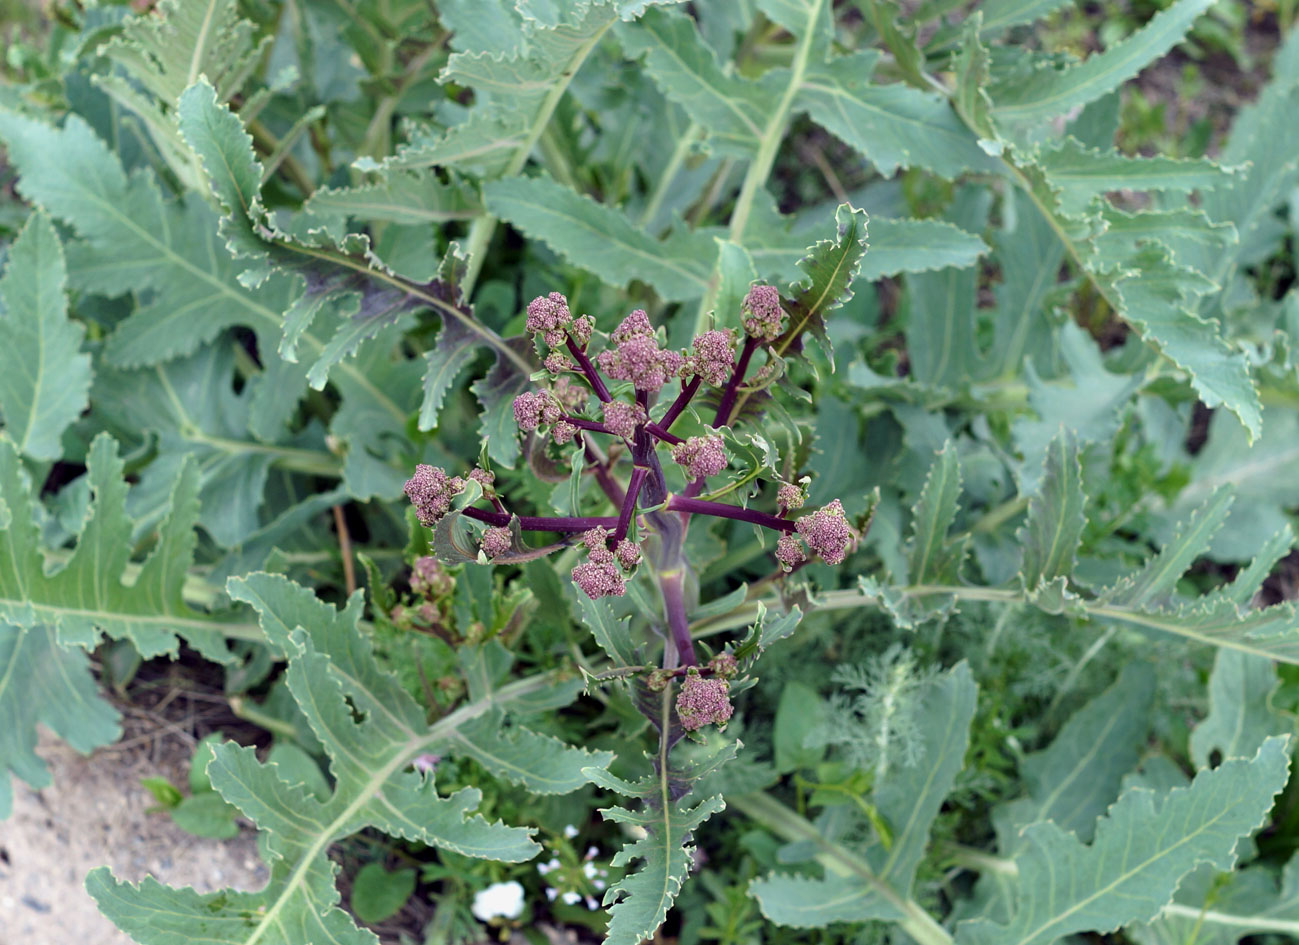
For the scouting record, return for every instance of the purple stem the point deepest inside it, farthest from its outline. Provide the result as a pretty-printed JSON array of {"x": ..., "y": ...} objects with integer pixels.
[
  {"x": 674, "y": 607},
  {"x": 542, "y": 523},
  {"x": 733, "y": 385},
  {"x": 591, "y": 425},
  {"x": 638, "y": 477},
  {"x": 687, "y": 391},
  {"x": 592, "y": 375},
  {"x": 680, "y": 503},
  {"x": 657, "y": 430}
]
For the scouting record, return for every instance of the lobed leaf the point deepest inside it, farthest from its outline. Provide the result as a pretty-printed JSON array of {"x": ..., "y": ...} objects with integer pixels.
[
  {"x": 44, "y": 377},
  {"x": 1142, "y": 847}
]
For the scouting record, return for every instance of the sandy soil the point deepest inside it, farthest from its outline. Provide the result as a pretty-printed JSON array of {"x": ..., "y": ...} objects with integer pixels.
[{"x": 96, "y": 813}]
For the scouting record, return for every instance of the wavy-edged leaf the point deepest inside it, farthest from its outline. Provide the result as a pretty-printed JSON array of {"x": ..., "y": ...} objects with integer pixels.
[
  {"x": 88, "y": 597},
  {"x": 42, "y": 681},
  {"x": 1216, "y": 909},
  {"x": 1049, "y": 92},
  {"x": 372, "y": 731},
  {"x": 894, "y": 126},
  {"x": 540, "y": 763},
  {"x": 1056, "y": 516},
  {"x": 1240, "y": 716},
  {"x": 830, "y": 266},
  {"x": 44, "y": 377},
  {"x": 931, "y": 557},
  {"x": 900, "y": 245},
  {"x": 1081, "y": 173},
  {"x": 400, "y": 198},
  {"x": 639, "y": 902},
  {"x": 600, "y": 238},
  {"x": 1142, "y": 847},
  {"x": 908, "y": 799},
  {"x": 734, "y": 110}
]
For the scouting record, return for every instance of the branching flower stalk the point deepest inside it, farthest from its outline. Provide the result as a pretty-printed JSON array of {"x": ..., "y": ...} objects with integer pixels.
[{"x": 626, "y": 377}]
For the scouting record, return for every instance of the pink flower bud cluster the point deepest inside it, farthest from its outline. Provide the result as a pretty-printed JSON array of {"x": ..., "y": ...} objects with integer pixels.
[
  {"x": 766, "y": 317},
  {"x": 600, "y": 576},
  {"x": 429, "y": 579},
  {"x": 637, "y": 357},
  {"x": 724, "y": 664},
  {"x": 572, "y": 397},
  {"x": 701, "y": 455},
  {"x": 535, "y": 408},
  {"x": 548, "y": 316},
  {"x": 713, "y": 358},
  {"x": 703, "y": 701},
  {"x": 496, "y": 541},
  {"x": 430, "y": 490},
  {"x": 826, "y": 532},
  {"x": 622, "y": 418},
  {"x": 791, "y": 496},
  {"x": 485, "y": 478}
]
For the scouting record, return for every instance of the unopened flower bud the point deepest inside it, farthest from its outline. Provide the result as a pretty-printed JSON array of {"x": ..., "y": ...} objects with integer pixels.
[
  {"x": 596, "y": 541},
  {"x": 622, "y": 418},
  {"x": 599, "y": 579},
  {"x": 637, "y": 356},
  {"x": 556, "y": 363},
  {"x": 827, "y": 532},
  {"x": 628, "y": 554},
  {"x": 563, "y": 432},
  {"x": 713, "y": 358},
  {"x": 549, "y": 314},
  {"x": 429, "y": 579},
  {"x": 789, "y": 552},
  {"x": 536, "y": 408},
  {"x": 658, "y": 680},
  {"x": 724, "y": 665},
  {"x": 496, "y": 541},
  {"x": 765, "y": 316},
  {"x": 701, "y": 455},
  {"x": 485, "y": 478},
  {"x": 703, "y": 701},
  {"x": 430, "y": 490},
  {"x": 791, "y": 496}
]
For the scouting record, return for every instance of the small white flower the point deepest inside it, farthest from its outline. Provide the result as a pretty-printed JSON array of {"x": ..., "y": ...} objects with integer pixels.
[
  {"x": 599, "y": 884},
  {"x": 591, "y": 853},
  {"x": 498, "y": 899},
  {"x": 571, "y": 898},
  {"x": 592, "y": 904},
  {"x": 551, "y": 893},
  {"x": 590, "y": 871},
  {"x": 549, "y": 867},
  {"x": 570, "y": 831}
]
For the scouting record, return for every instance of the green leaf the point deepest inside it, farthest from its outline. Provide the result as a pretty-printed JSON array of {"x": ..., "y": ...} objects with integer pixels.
[
  {"x": 43, "y": 682},
  {"x": 899, "y": 245},
  {"x": 1213, "y": 909},
  {"x": 1055, "y": 522},
  {"x": 931, "y": 558},
  {"x": 894, "y": 126},
  {"x": 378, "y": 894},
  {"x": 1074, "y": 780},
  {"x": 206, "y": 815},
  {"x": 600, "y": 238},
  {"x": 1240, "y": 716},
  {"x": 372, "y": 731},
  {"x": 539, "y": 763},
  {"x": 1082, "y": 174},
  {"x": 831, "y": 266},
  {"x": 87, "y": 597},
  {"x": 44, "y": 379},
  {"x": 1143, "y": 846},
  {"x": 732, "y": 109},
  {"x": 400, "y": 198},
  {"x": 613, "y": 634},
  {"x": 163, "y": 791},
  {"x": 908, "y": 798},
  {"x": 999, "y": 15},
  {"x": 1050, "y": 92},
  {"x": 941, "y": 327},
  {"x": 639, "y": 902},
  {"x": 799, "y": 712},
  {"x": 1155, "y": 582}
]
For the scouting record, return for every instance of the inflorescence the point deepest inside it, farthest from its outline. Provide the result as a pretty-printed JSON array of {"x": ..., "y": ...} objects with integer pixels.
[
  {"x": 718, "y": 358},
  {"x": 626, "y": 378}
]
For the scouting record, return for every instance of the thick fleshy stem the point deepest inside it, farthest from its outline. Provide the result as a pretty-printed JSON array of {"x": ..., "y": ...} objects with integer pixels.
[
  {"x": 656, "y": 430},
  {"x": 727, "y": 403},
  {"x": 592, "y": 375},
  {"x": 689, "y": 505},
  {"x": 592, "y": 425},
  {"x": 544, "y": 523},
  {"x": 688, "y": 391},
  {"x": 638, "y": 477},
  {"x": 672, "y": 585}
]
